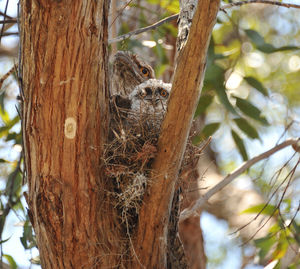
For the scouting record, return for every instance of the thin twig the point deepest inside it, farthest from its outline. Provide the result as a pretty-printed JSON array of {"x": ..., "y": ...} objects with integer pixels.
[
  {"x": 4, "y": 77},
  {"x": 5, "y": 11},
  {"x": 175, "y": 17},
  {"x": 268, "y": 2},
  {"x": 9, "y": 33},
  {"x": 229, "y": 178},
  {"x": 289, "y": 177},
  {"x": 8, "y": 21},
  {"x": 120, "y": 12},
  {"x": 5, "y": 15},
  {"x": 144, "y": 29}
]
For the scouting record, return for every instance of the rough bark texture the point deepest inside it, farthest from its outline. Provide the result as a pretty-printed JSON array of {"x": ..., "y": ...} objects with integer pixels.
[
  {"x": 151, "y": 238},
  {"x": 65, "y": 119},
  {"x": 189, "y": 230}
]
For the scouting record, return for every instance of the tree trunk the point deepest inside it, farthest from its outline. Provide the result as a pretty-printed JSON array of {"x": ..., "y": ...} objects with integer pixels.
[{"x": 65, "y": 123}]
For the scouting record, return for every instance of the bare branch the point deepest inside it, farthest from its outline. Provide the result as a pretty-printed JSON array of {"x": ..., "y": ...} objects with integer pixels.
[
  {"x": 144, "y": 29},
  {"x": 2, "y": 29},
  {"x": 5, "y": 15},
  {"x": 268, "y": 2},
  {"x": 289, "y": 178},
  {"x": 229, "y": 178},
  {"x": 5, "y": 76},
  {"x": 8, "y": 21},
  {"x": 9, "y": 34},
  {"x": 175, "y": 17}
]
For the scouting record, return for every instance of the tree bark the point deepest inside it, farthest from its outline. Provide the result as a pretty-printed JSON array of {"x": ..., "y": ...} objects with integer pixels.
[
  {"x": 151, "y": 237},
  {"x": 65, "y": 123}
]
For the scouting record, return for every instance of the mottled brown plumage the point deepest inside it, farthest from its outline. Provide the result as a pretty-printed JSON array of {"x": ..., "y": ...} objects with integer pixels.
[{"x": 129, "y": 70}]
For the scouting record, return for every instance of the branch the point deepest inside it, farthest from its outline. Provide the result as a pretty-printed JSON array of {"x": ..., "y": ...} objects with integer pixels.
[
  {"x": 5, "y": 15},
  {"x": 192, "y": 210},
  {"x": 144, "y": 29},
  {"x": 9, "y": 34},
  {"x": 2, "y": 29},
  {"x": 8, "y": 21},
  {"x": 268, "y": 2},
  {"x": 175, "y": 17},
  {"x": 151, "y": 236}
]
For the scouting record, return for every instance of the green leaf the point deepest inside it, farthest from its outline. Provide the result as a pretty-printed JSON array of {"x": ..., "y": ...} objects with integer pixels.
[
  {"x": 261, "y": 45},
  {"x": 9, "y": 124},
  {"x": 11, "y": 261},
  {"x": 281, "y": 247},
  {"x": 17, "y": 137},
  {"x": 259, "y": 41},
  {"x": 2, "y": 96},
  {"x": 265, "y": 244},
  {"x": 14, "y": 184},
  {"x": 207, "y": 131},
  {"x": 266, "y": 48},
  {"x": 255, "y": 37},
  {"x": 240, "y": 144},
  {"x": 257, "y": 85},
  {"x": 294, "y": 226},
  {"x": 204, "y": 102},
  {"x": 27, "y": 240},
  {"x": 284, "y": 48},
  {"x": 250, "y": 110},
  {"x": 249, "y": 130},
  {"x": 4, "y": 116},
  {"x": 5, "y": 240},
  {"x": 292, "y": 266},
  {"x": 277, "y": 265},
  {"x": 260, "y": 209},
  {"x": 214, "y": 74},
  {"x": 221, "y": 92}
]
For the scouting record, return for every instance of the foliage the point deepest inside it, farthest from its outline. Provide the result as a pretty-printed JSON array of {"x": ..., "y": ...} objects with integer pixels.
[{"x": 247, "y": 65}]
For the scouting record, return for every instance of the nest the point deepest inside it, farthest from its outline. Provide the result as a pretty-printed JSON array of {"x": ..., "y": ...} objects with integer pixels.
[{"x": 129, "y": 155}]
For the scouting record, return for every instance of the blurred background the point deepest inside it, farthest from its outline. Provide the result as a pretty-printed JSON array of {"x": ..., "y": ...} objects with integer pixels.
[{"x": 250, "y": 102}]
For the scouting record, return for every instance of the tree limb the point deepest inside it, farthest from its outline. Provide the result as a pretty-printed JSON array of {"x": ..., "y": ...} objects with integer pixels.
[
  {"x": 175, "y": 17},
  {"x": 144, "y": 29},
  {"x": 268, "y": 2},
  {"x": 151, "y": 238},
  {"x": 192, "y": 210}
]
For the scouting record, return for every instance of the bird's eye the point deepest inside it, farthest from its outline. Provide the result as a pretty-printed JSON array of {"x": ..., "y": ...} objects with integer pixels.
[
  {"x": 163, "y": 92},
  {"x": 144, "y": 71}
]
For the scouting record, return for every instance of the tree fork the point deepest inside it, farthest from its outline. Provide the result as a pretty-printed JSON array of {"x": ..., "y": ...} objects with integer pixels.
[
  {"x": 150, "y": 242},
  {"x": 65, "y": 118}
]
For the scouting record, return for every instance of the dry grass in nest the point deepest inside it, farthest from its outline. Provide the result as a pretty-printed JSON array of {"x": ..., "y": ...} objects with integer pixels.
[
  {"x": 129, "y": 155},
  {"x": 128, "y": 158}
]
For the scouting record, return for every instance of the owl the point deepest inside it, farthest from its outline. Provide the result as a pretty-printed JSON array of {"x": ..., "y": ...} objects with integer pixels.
[
  {"x": 129, "y": 70},
  {"x": 150, "y": 98}
]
